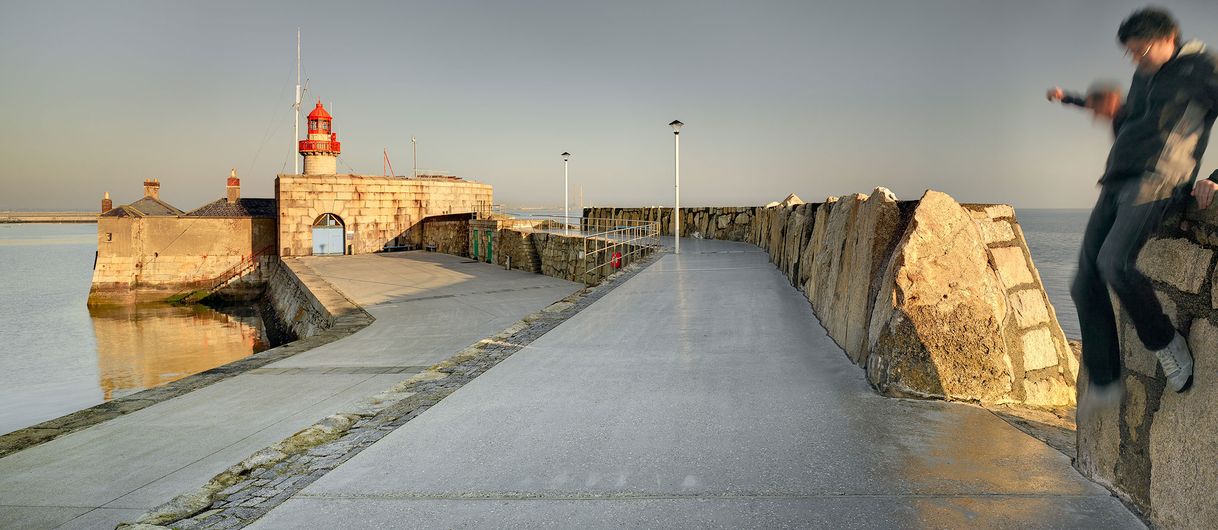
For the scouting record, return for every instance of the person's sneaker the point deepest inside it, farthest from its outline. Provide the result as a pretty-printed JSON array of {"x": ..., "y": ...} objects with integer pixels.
[
  {"x": 1177, "y": 363},
  {"x": 1101, "y": 397}
]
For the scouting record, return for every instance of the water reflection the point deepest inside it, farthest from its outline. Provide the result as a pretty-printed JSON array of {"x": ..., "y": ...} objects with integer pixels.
[{"x": 140, "y": 347}]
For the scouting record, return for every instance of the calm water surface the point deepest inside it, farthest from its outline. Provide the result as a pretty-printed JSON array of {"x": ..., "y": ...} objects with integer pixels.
[{"x": 57, "y": 356}]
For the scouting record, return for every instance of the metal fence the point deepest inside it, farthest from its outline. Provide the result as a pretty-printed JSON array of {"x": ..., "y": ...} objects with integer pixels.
[{"x": 610, "y": 244}]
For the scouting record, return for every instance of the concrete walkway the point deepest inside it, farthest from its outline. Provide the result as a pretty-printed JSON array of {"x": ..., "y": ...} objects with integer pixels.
[
  {"x": 428, "y": 306},
  {"x": 700, "y": 393}
]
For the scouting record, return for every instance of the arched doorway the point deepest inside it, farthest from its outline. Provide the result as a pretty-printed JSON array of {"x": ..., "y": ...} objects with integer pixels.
[{"x": 329, "y": 236}]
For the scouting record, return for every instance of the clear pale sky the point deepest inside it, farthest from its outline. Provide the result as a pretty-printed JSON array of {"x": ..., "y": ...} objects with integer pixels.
[{"x": 816, "y": 98}]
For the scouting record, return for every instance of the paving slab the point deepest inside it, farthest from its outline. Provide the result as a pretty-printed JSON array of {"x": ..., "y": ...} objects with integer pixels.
[
  {"x": 124, "y": 466},
  {"x": 701, "y": 392}
]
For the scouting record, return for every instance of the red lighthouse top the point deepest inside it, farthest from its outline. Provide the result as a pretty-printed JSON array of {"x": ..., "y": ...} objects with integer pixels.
[{"x": 320, "y": 124}]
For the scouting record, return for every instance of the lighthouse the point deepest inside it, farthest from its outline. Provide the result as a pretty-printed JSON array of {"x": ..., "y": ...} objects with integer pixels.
[{"x": 321, "y": 149}]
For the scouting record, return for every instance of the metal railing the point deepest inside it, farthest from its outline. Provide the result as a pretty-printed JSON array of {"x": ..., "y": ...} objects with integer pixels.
[
  {"x": 324, "y": 146},
  {"x": 610, "y": 244}
]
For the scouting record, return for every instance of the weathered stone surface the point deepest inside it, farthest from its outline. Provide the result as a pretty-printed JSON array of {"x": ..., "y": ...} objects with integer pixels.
[
  {"x": 1099, "y": 437},
  {"x": 874, "y": 230},
  {"x": 1177, "y": 262},
  {"x": 807, "y": 261},
  {"x": 827, "y": 264},
  {"x": 797, "y": 225},
  {"x": 1183, "y": 444},
  {"x": 1012, "y": 266},
  {"x": 1048, "y": 390},
  {"x": 1038, "y": 350},
  {"x": 844, "y": 269},
  {"x": 995, "y": 231},
  {"x": 935, "y": 330},
  {"x": 777, "y": 232},
  {"x": 1134, "y": 355},
  {"x": 791, "y": 200},
  {"x": 1029, "y": 308}
]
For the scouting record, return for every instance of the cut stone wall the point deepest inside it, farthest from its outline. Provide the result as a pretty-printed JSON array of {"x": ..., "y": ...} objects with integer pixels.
[
  {"x": 1159, "y": 449},
  {"x": 934, "y": 299},
  {"x": 376, "y": 211},
  {"x": 304, "y": 301},
  {"x": 525, "y": 245},
  {"x": 141, "y": 259}
]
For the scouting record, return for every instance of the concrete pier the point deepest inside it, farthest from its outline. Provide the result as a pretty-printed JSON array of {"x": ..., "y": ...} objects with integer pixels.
[
  {"x": 700, "y": 393},
  {"x": 427, "y": 306}
]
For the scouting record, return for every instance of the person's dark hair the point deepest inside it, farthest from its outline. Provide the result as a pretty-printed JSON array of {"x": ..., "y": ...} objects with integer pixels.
[{"x": 1148, "y": 23}]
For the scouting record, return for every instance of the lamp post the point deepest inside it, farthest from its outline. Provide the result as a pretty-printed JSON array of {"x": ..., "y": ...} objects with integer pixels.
[
  {"x": 414, "y": 146},
  {"x": 676, "y": 210},
  {"x": 566, "y": 212}
]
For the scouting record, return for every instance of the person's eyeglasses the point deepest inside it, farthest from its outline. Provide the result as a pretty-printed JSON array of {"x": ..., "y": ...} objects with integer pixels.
[{"x": 1130, "y": 53}]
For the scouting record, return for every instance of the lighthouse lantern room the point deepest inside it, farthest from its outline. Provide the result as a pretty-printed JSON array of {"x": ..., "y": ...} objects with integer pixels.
[{"x": 320, "y": 150}]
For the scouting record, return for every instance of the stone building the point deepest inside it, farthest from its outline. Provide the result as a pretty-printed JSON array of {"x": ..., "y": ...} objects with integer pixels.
[
  {"x": 150, "y": 250},
  {"x": 323, "y": 213}
]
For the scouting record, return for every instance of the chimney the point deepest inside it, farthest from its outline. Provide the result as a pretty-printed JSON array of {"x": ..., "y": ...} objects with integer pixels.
[
  {"x": 107, "y": 204},
  {"x": 152, "y": 188},
  {"x": 234, "y": 189}
]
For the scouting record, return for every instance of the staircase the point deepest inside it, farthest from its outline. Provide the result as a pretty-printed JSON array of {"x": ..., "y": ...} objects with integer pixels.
[
  {"x": 247, "y": 264},
  {"x": 532, "y": 260}
]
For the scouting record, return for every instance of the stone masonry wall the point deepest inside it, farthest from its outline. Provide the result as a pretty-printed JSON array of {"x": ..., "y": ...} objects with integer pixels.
[
  {"x": 935, "y": 299},
  {"x": 521, "y": 247},
  {"x": 153, "y": 258},
  {"x": 1159, "y": 449},
  {"x": 304, "y": 301},
  {"x": 376, "y": 211}
]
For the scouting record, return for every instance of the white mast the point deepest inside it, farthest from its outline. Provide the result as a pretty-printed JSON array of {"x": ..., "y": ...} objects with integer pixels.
[{"x": 296, "y": 105}]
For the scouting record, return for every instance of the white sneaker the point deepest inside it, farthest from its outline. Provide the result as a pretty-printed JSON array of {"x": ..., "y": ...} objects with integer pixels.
[
  {"x": 1177, "y": 363},
  {"x": 1100, "y": 398}
]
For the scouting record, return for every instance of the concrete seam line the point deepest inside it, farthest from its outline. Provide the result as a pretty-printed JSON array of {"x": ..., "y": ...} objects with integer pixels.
[{"x": 247, "y": 490}]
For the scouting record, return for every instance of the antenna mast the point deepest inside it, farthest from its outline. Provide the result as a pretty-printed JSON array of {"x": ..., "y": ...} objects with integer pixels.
[{"x": 296, "y": 105}]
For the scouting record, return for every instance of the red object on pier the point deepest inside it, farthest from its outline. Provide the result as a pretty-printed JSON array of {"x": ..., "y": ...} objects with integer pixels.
[
  {"x": 321, "y": 123},
  {"x": 616, "y": 261}
]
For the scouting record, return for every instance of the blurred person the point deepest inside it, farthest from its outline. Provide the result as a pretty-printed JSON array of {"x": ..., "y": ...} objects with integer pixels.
[{"x": 1161, "y": 131}]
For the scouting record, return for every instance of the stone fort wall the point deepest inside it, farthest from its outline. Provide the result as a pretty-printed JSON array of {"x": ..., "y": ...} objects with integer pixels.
[{"x": 376, "y": 211}]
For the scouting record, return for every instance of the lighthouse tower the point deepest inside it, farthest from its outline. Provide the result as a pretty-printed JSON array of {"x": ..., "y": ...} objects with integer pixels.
[{"x": 321, "y": 149}]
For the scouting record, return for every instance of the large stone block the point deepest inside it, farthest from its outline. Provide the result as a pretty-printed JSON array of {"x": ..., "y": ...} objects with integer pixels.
[
  {"x": 807, "y": 261},
  {"x": 1012, "y": 266},
  {"x": 935, "y": 330},
  {"x": 874, "y": 230},
  {"x": 827, "y": 266},
  {"x": 1039, "y": 350},
  {"x": 1177, "y": 262},
  {"x": 1029, "y": 307}
]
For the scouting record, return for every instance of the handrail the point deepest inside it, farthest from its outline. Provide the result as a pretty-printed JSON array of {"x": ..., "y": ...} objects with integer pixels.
[{"x": 246, "y": 263}]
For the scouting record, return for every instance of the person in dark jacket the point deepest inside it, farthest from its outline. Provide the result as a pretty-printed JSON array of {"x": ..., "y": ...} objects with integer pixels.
[{"x": 1161, "y": 132}]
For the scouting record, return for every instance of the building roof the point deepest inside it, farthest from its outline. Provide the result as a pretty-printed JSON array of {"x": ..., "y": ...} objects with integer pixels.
[
  {"x": 319, "y": 112},
  {"x": 242, "y": 208},
  {"x": 144, "y": 208}
]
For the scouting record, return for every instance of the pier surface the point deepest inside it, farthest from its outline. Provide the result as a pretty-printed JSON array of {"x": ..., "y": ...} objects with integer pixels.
[
  {"x": 427, "y": 306},
  {"x": 702, "y": 392}
]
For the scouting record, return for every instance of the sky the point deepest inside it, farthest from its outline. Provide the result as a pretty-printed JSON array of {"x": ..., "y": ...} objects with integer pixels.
[{"x": 807, "y": 97}]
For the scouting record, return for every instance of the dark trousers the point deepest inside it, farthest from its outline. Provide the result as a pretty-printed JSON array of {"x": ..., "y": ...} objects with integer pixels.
[{"x": 1126, "y": 214}]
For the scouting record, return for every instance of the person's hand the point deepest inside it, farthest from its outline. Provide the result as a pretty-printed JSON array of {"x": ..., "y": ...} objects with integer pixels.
[
  {"x": 1204, "y": 191},
  {"x": 1104, "y": 105},
  {"x": 1055, "y": 94}
]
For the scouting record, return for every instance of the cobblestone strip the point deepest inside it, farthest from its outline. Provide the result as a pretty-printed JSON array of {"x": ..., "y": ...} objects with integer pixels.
[
  {"x": 345, "y": 324},
  {"x": 251, "y": 488}
]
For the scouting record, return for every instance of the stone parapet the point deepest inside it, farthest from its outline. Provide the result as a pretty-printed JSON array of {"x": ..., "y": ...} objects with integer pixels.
[
  {"x": 1158, "y": 449},
  {"x": 935, "y": 299}
]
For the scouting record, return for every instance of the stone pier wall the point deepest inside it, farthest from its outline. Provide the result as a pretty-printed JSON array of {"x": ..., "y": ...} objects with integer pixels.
[
  {"x": 523, "y": 245},
  {"x": 303, "y": 301},
  {"x": 933, "y": 298},
  {"x": 1159, "y": 449}
]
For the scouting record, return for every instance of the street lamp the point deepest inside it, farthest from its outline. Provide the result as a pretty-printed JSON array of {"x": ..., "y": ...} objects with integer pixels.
[
  {"x": 414, "y": 146},
  {"x": 566, "y": 212},
  {"x": 676, "y": 210}
]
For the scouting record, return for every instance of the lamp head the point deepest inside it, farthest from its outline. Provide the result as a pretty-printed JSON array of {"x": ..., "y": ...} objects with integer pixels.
[
  {"x": 566, "y": 156},
  {"x": 676, "y": 126}
]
